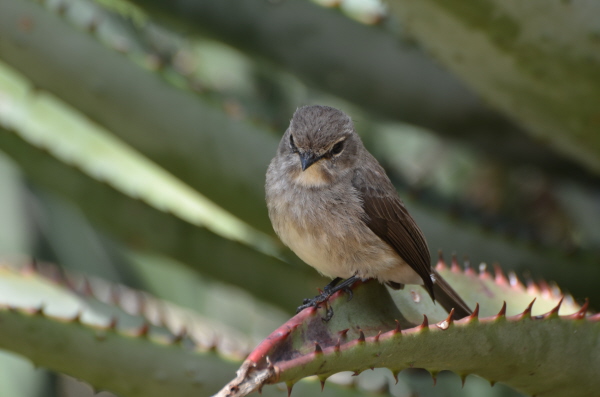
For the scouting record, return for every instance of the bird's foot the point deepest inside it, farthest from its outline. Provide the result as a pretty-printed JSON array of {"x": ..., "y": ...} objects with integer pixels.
[{"x": 327, "y": 292}]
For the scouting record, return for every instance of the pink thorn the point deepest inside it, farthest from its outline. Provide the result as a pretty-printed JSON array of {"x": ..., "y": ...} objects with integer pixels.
[
  {"x": 556, "y": 309},
  {"x": 527, "y": 311},
  {"x": 502, "y": 312},
  {"x": 581, "y": 313},
  {"x": 377, "y": 336},
  {"x": 112, "y": 325},
  {"x": 545, "y": 289},
  {"x": 483, "y": 273},
  {"x": 441, "y": 264},
  {"x": 425, "y": 323},
  {"x": 318, "y": 349},
  {"x": 178, "y": 337},
  {"x": 468, "y": 269},
  {"x": 514, "y": 281},
  {"x": 475, "y": 314},
  {"x": 454, "y": 267},
  {"x": 499, "y": 276},
  {"x": 361, "y": 336},
  {"x": 398, "y": 329},
  {"x": 532, "y": 288},
  {"x": 77, "y": 317},
  {"x": 444, "y": 325},
  {"x": 144, "y": 330}
]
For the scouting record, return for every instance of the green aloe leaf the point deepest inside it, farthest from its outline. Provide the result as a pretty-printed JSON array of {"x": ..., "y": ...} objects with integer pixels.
[
  {"x": 546, "y": 79},
  {"x": 527, "y": 346}
]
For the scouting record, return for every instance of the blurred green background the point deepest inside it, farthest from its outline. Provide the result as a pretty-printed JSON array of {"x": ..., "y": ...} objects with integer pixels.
[{"x": 134, "y": 139}]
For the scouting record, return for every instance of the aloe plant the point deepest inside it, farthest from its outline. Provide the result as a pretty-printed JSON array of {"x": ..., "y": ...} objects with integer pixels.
[{"x": 135, "y": 152}]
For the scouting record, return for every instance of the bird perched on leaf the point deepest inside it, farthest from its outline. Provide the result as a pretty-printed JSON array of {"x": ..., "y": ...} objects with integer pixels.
[{"x": 331, "y": 202}]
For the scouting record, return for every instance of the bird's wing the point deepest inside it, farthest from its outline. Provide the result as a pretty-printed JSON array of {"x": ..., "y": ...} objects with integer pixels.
[{"x": 388, "y": 218}]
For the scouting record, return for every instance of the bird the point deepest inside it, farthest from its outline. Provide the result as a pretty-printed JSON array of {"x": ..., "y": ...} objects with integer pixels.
[{"x": 332, "y": 203}]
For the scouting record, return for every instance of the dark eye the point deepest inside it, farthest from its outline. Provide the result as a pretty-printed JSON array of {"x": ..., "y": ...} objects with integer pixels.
[
  {"x": 292, "y": 144},
  {"x": 337, "y": 148}
]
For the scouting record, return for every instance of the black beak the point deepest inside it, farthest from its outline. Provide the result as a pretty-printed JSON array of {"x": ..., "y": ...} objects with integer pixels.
[{"x": 307, "y": 159}]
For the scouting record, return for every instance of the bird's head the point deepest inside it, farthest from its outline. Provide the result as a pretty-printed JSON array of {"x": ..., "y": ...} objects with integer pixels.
[{"x": 320, "y": 146}]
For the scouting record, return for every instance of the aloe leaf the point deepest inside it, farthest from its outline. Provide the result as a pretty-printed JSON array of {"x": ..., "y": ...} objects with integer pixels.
[
  {"x": 223, "y": 158},
  {"x": 116, "y": 338},
  {"x": 546, "y": 79},
  {"x": 533, "y": 350}
]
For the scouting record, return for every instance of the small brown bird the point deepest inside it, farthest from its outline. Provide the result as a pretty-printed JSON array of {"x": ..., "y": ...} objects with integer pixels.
[{"x": 331, "y": 202}]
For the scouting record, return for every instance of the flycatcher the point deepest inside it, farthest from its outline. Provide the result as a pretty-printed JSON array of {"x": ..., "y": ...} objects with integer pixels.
[{"x": 331, "y": 202}]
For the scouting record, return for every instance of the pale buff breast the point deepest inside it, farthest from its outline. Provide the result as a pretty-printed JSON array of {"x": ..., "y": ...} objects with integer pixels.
[{"x": 328, "y": 234}]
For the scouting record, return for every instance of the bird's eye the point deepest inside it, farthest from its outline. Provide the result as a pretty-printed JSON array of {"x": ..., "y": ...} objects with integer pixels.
[
  {"x": 292, "y": 144},
  {"x": 337, "y": 148}
]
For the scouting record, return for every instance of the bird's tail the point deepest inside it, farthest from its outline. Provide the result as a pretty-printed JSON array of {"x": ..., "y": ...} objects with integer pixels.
[{"x": 448, "y": 298}]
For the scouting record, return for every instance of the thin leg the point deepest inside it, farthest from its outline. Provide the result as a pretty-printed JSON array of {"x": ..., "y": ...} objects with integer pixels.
[{"x": 329, "y": 290}]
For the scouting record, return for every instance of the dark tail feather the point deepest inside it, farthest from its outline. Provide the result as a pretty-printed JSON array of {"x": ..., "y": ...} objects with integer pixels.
[{"x": 449, "y": 299}]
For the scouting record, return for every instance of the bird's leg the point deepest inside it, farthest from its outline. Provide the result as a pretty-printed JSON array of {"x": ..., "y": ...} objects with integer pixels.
[{"x": 329, "y": 290}]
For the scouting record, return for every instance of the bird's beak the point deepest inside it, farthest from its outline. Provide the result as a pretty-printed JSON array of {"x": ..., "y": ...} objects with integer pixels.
[{"x": 307, "y": 159}]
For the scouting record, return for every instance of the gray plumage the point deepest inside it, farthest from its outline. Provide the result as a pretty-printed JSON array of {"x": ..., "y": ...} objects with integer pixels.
[{"x": 331, "y": 202}]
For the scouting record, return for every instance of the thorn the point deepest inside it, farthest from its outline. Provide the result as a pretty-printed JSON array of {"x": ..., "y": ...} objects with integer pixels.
[
  {"x": 343, "y": 332},
  {"x": 112, "y": 324},
  {"x": 377, "y": 336},
  {"x": 425, "y": 323},
  {"x": 322, "y": 380},
  {"x": 395, "y": 375},
  {"x": 356, "y": 373},
  {"x": 260, "y": 389},
  {"x": 499, "y": 276},
  {"x": 444, "y": 325},
  {"x": 514, "y": 281},
  {"x": 483, "y": 273},
  {"x": 468, "y": 269},
  {"x": 554, "y": 312},
  {"x": 475, "y": 314},
  {"x": 77, "y": 317},
  {"x": 441, "y": 264},
  {"x": 581, "y": 313},
  {"x": 318, "y": 349},
  {"x": 337, "y": 346},
  {"x": 502, "y": 312},
  {"x": 39, "y": 311},
  {"x": 289, "y": 388},
  {"x": 532, "y": 288},
  {"x": 454, "y": 267},
  {"x": 527, "y": 312},
  {"x": 492, "y": 383},
  {"x": 143, "y": 330},
  {"x": 177, "y": 338},
  {"x": 463, "y": 379},
  {"x": 434, "y": 377},
  {"x": 397, "y": 330},
  {"x": 361, "y": 336}
]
